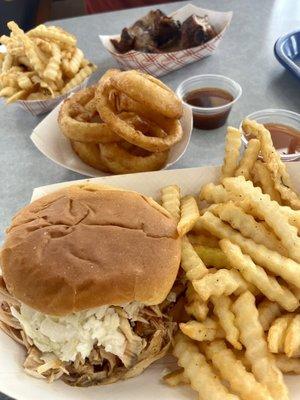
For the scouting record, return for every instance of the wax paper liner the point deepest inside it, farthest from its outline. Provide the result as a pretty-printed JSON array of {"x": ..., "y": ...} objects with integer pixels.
[
  {"x": 148, "y": 386},
  {"x": 159, "y": 64},
  {"x": 49, "y": 139}
]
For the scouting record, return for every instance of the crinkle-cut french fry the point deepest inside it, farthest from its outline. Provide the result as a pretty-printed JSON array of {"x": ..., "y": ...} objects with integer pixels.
[
  {"x": 223, "y": 282},
  {"x": 191, "y": 262},
  {"x": 13, "y": 46},
  {"x": 24, "y": 81},
  {"x": 75, "y": 61},
  {"x": 67, "y": 54},
  {"x": 65, "y": 67},
  {"x": 218, "y": 194},
  {"x": 214, "y": 193},
  {"x": 256, "y": 275},
  {"x": 198, "y": 309},
  {"x": 280, "y": 176},
  {"x": 232, "y": 370},
  {"x": 277, "y": 333},
  {"x": 44, "y": 85},
  {"x": 8, "y": 91},
  {"x": 79, "y": 77},
  {"x": 170, "y": 200},
  {"x": 59, "y": 80},
  {"x": 222, "y": 309},
  {"x": 16, "y": 30},
  {"x": 258, "y": 130},
  {"x": 295, "y": 290},
  {"x": 32, "y": 55},
  {"x": 7, "y": 62},
  {"x": 24, "y": 61},
  {"x": 52, "y": 68},
  {"x": 5, "y": 40},
  {"x": 252, "y": 337},
  {"x": 189, "y": 213},
  {"x": 53, "y": 33},
  {"x": 44, "y": 45},
  {"x": 175, "y": 378},
  {"x": 292, "y": 215},
  {"x": 212, "y": 256},
  {"x": 248, "y": 159},
  {"x": 16, "y": 51},
  {"x": 41, "y": 55},
  {"x": 270, "y": 210},
  {"x": 199, "y": 372},
  {"x": 203, "y": 239},
  {"x": 195, "y": 305},
  {"x": 247, "y": 225},
  {"x": 17, "y": 69},
  {"x": 84, "y": 62},
  {"x": 268, "y": 312},
  {"x": 21, "y": 94},
  {"x": 232, "y": 152},
  {"x": 207, "y": 330},
  {"x": 262, "y": 176},
  {"x": 9, "y": 79},
  {"x": 240, "y": 355},
  {"x": 292, "y": 339},
  {"x": 279, "y": 265},
  {"x": 288, "y": 365}
]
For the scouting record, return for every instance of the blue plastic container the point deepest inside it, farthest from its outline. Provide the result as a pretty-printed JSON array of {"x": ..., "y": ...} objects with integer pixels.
[{"x": 287, "y": 52}]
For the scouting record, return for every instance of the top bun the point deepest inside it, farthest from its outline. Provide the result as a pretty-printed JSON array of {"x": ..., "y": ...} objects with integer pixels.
[{"x": 88, "y": 246}]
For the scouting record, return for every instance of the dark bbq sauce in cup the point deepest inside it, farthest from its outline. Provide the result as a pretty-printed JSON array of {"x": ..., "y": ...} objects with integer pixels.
[{"x": 209, "y": 97}]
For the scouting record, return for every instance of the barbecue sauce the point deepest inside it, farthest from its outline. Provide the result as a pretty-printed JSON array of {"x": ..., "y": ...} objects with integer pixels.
[
  {"x": 207, "y": 98},
  {"x": 285, "y": 138}
]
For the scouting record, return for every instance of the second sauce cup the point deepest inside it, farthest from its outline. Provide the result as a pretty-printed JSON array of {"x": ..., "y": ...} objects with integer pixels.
[{"x": 211, "y": 98}]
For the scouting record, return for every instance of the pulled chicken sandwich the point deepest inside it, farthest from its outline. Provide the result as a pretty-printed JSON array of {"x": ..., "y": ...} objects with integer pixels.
[{"x": 87, "y": 275}]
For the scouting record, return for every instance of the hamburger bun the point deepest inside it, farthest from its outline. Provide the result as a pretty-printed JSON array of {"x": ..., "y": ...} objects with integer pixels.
[{"x": 87, "y": 246}]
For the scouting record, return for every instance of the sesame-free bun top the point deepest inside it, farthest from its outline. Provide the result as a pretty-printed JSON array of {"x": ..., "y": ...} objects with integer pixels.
[{"x": 87, "y": 246}]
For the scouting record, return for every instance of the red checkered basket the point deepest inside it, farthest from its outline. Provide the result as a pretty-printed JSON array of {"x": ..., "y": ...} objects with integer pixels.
[{"x": 159, "y": 64}]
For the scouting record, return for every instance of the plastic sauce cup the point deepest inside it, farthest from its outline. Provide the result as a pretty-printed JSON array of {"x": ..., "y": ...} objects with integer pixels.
[
  {"x": 284, "y": 126},
  {"x": 210, "y": 117}
]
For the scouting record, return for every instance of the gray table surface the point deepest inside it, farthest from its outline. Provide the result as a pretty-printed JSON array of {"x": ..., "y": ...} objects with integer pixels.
[{"x": 245, "y": 54}]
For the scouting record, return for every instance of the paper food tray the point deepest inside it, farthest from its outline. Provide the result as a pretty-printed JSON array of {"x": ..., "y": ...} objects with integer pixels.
[
  {"x": 159, "y": 64},
  {"x": 148, "y": 386},
  {"x": 37, "y": 107},
  {"x": 49, "y": 139}
]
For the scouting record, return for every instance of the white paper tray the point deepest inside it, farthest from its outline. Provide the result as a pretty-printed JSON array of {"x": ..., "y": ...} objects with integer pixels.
[
  {"x": 49, "y": 139},
  {"x": 15, "y": 383}
]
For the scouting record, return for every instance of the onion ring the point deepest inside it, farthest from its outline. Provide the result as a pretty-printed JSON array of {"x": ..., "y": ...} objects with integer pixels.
[
  {"x": 129, "y": 133},
  {"x": 82, "y": 131},
  {"x": 149, "y": 91},
  {"x": 122, "y": 102},
  {"x": 91, "y": 132},
  {"x": 123, "y": 161},
  {"x": 89, "y": 153}
]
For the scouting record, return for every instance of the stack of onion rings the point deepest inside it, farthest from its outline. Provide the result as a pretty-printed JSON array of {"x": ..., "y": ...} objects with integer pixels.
[{"x": 127, "y": 123}]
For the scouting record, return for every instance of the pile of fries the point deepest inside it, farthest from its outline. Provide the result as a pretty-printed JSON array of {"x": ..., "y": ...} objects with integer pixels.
[
  {"x": 241, "y": 262},
  {"x": 41, "y": 64}
]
